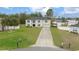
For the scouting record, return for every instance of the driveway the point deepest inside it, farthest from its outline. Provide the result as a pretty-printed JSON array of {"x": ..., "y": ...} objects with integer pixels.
[
  {"x": 43, "y": 43},
  {"x": 45, "y": 38}
]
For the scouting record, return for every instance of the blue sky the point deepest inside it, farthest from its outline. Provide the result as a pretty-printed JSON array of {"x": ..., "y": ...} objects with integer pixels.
[{"x": 58, "y": 11}]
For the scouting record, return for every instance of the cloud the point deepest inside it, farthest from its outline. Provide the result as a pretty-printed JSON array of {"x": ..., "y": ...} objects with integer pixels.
[
  {"x": 6, "y": 7},
  {"x": 43, "y": 10},
  {"x": 36, "y": 9},
  {"x": 71, "y": 10}
]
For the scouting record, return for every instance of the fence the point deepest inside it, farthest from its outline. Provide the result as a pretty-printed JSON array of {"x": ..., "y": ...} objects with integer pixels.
[
  {"x": 70, "y": 29},
  {"x": 9, "y": 27}
]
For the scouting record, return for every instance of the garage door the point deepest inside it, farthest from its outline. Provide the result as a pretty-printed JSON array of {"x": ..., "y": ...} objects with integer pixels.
[{"x": 46, "y": 25}]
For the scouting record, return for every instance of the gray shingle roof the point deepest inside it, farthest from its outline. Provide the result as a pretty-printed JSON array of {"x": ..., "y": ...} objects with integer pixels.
[{"x": 39, "y": 18}]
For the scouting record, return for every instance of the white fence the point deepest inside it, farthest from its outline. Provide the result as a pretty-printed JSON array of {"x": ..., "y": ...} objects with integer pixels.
[
  {"x": 9, "y": 27},
  {"x": 70, "y": 29},
  {"x": 63, "y": 28}
]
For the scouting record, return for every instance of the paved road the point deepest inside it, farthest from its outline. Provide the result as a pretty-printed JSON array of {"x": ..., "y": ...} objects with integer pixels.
[
  {"x": 43, "y": 43},
  {"x": 39, "y": 49}
]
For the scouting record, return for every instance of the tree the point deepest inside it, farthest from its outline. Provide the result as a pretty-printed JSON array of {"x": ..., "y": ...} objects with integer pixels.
[
  {"x": 40, "y": 15},
  {"x": 14, "y": 22},
  {"x": 36, "y": 14},
  {"x": 63, "y": 19},
  {"x": 22, "y": 18},
  {"x": 3, "y": 15},
  {"x": 77, "y": 18},
  {"x": 49, "y": 13},
  {"x": 3, "y": 23}
]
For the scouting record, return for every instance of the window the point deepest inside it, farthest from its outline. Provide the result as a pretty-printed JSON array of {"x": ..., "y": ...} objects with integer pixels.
[
  {"x": 33, "y": 21},
  {"x": 28, "y": 21},
  {"x": 38, "y": 21},
  {"x": 45, "y": 21}
]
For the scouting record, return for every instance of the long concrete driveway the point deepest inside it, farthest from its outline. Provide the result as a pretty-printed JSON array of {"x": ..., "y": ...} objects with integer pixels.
[
  {"x": 43, "y": 43},
  {"x": 45, "y": 38}
]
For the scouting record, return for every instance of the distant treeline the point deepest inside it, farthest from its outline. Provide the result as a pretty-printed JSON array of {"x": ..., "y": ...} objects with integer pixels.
[{"x": 19, "y": 17}]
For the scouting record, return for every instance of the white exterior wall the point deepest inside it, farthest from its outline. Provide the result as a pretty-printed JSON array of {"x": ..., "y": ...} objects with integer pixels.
[
  {"x": 46, "y": 24},
  {"x": 60, "y": 24},
  {"x": 42, "y": 23},
  {"x": 37, "y": 23},
  {"x": 30, "y": 23},
  {"x": 72, "y": 22}
]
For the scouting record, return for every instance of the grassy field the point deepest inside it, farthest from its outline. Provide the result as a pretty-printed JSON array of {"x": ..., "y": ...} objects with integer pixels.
[
  {"x": 65, "y": 37},
  {"x": 27, "y": 37}
]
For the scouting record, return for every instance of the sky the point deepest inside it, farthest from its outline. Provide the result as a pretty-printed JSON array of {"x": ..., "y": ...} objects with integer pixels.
[{"x": 57, "y": 11}]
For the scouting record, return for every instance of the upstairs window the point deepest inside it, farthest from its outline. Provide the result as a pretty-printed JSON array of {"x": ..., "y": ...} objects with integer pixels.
[
  {"x": 45, "y": 21},
  {"x": 28, "y": 21},
  {"x": 38, "y": 21},
  {"x": 33, "y": 21}
]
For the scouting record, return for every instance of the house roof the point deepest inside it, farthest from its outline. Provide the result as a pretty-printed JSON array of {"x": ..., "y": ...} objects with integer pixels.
[{"x": 40, "y": 18}]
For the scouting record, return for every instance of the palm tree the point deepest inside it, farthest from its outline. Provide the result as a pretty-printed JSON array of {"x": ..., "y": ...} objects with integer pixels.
[{"x": 49, "y": 13}]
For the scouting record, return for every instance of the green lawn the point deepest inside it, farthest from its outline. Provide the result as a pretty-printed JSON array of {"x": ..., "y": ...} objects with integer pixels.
[
  {"x": 28, "y": 36},
  {"x": 60, "y": 36},
  {"x": 56, "y": 36}
]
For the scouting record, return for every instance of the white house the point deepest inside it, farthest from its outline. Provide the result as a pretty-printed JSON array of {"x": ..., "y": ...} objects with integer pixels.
[
  {"x": 58, "y": 23},
  {"x": 72, "y": 22},
  {"x": 68, "y": 25},
  {"x": 38, "y": 22}
]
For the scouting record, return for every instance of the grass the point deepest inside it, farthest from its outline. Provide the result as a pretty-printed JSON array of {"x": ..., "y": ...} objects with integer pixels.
[
  {"x": 56, "y": 36},
  {"x": 28, "y": 36},
  {"x": 60, "y": 36}
]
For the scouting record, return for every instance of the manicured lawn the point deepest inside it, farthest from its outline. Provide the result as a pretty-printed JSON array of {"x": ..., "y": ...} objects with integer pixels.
[
  {"x": 28, "y": 36},
  {"x": 60, "y": 36},
  {"x": 56, "y": 36}
]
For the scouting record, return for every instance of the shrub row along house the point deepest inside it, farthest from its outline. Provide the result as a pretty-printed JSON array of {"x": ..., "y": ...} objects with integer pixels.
[{"x": 38, "y": 22}]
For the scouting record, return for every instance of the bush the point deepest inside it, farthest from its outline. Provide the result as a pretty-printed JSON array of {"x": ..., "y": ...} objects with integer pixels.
[{"x": 29, "y": 26}]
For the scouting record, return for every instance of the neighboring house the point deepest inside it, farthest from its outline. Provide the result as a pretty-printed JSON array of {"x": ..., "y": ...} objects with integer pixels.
[
  {"x": 73, "y": 28},
  {"x": 38, "y": 22},
  {"x": 58, "y": 23},
  {"x": 69, "y": 25},
  {"x": 72, "y": 22}
]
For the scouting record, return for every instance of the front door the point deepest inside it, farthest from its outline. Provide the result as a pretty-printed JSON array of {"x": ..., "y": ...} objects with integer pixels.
[{"x": 33, "y": 25}]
